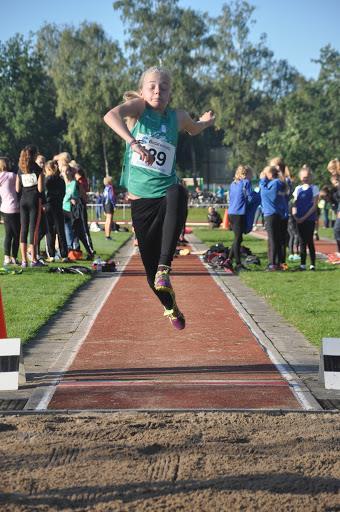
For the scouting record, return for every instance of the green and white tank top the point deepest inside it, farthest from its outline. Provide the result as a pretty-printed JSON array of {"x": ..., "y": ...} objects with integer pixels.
[{"x": 159, "y": 134}]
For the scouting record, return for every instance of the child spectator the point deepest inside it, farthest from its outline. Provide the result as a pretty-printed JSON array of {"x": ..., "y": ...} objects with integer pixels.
[
  {"x": 333, "y": 167},
  {"x": 54, "y": 194},
  {"x": 284, "y": 196},
  {"x": 293, "y": 243},
  {"x": 214, "y": 218},
  {"x": 325, "y": 205},
  {"x": 240, "y": 195},
  {"x": 29, "y": 184},
  {"x": 336, "y": 204},
  {"x": 72, "y": 207},
  {"x": 10, "y": 212},
  {"x": 41, "y": 160},
  {"x": 84, "y": 188},
  {"x": 306, "y": 197},
  {"x": 99, "y": 206},
  {"x": 109, "y": 202},
  {"x": 271, "y": 189}
]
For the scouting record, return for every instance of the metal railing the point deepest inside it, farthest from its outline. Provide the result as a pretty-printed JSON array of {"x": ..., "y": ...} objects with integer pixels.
[{"x": 123, "y": 211}]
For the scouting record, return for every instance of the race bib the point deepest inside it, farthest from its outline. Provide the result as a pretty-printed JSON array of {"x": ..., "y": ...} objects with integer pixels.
[
  {"x": 163, "y": 152},
  {"x": 29, "y": 180}
]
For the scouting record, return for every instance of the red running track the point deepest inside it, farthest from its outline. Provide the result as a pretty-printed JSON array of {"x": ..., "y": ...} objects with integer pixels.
[{"x": 132, "y": 358}]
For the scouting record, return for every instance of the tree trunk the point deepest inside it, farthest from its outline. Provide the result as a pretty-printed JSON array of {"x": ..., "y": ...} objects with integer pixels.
[
  {"x": 193, "y": 158},
  {"x": 106, "y": 163}
]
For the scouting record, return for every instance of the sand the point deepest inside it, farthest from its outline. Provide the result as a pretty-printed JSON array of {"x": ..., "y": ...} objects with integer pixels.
[{"x": 170, "y": 461}]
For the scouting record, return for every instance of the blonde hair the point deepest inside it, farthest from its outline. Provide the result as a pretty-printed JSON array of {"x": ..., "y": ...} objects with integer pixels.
[
  {"x": 241, "y": 172},
  {"x": 74, "y": 165},
  {"x": 279, "y": 162},
  {"x": 51, "y": 168},
  {"x": 130, "y": 95},
  {"x": 308, "y": 170},
  {"x": 107, "y": 180},
  {"x": 4, "y": 163},
  {"x": 306, "y": 167},
  {"x": 63, "y": 157},
  {"x": 334, "y": 166}
]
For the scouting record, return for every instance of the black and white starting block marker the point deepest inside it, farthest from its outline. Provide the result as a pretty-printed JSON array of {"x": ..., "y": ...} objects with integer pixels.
[
  {"x": 330, "y": 363},
  {"x": 12, "y": 371}
]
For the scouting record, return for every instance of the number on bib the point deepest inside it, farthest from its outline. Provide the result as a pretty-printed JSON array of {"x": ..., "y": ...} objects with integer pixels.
[{"x": 162, "y": 151}]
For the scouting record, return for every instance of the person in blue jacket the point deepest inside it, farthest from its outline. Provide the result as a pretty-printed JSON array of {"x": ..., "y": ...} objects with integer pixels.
[
  {"x": 109, "y": 203},
  {"x": 284, "y": 196},
  {"x": 271, "y": 189},
  {"x": 240, "y": 195},
  {"x": 306, "y": 197}
]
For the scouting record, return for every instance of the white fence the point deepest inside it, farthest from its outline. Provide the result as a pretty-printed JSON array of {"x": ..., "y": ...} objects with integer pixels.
[{"x": 96, "y": 212}]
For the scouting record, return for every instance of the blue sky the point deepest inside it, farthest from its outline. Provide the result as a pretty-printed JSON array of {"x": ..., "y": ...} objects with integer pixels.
[{"x": 296, "y": 29}]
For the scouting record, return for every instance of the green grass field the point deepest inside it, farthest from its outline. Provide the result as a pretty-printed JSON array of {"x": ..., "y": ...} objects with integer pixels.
[
  {"x": 326, "y": 233},
  {"x": 195, "y": 214},
  {"x": 32, "y": 297},
  {"x": 308, "y": 300}
]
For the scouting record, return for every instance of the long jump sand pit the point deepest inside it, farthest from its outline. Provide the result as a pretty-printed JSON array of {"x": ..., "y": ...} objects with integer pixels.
[{"x": 204, "y": 461}]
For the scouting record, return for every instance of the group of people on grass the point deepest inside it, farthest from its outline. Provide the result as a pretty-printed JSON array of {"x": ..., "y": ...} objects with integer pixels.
[
  {"x": 47, "y": 198},
  {"x": 290, "y": 216}
]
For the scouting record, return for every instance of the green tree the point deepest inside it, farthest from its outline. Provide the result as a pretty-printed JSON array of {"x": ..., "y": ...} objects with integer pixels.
[
  {"x": 87, "y": 70},
  {"x": 308, "y": 127},
  {"x": 27, "y": 100},
  {"x": 160, "y": 33},
  {"x": 247, "y": 82}
]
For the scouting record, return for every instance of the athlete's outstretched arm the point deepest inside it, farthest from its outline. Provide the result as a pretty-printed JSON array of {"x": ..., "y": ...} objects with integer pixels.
[
  {"x": 115, "y": 119},
  {"x": 186, "y": 123}
]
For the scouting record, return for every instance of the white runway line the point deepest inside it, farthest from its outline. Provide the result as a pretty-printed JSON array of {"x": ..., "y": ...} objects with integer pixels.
[{"x": 43, "y": 404}]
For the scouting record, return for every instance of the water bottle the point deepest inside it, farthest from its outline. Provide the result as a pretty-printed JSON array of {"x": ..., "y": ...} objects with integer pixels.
[{"x": 99, "y": 264}]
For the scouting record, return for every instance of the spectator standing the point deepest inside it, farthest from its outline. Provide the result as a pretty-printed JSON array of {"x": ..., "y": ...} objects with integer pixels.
[
  {"x": 325, "y": 205},
  {"x": 29, "y": 184},
  {"x": 293, "y": 244},
  {"x": 271, "y": 190},
  {"x": 336, "y": 203},
  {"x": 284, "y": 196},
  {"x": 240, "y": 195},
  {"x": 10, "y": 212},
  {"x": 99, "y": 206},
  {"x": 54, "y": 193},
  {"x": 41, "y": 160},
  {"x": 109, "y": 203},
  {"x": 72, "y": 207},
  {"x": 70, "y": 197},
  {"x": 306, "y": 197},
  {"x": 84, "y": 188},
  {"x": 220, "y": 194}
]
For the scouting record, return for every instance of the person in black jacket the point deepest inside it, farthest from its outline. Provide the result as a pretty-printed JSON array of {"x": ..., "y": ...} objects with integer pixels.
[
  {"x": 29, "y": 185},
  {"x": 54, "y": 192}
]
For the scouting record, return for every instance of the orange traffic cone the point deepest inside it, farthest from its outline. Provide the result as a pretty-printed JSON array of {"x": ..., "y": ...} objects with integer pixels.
[
  {"x": 3, "y": 330},
  {"x": 225, "y": 223}
]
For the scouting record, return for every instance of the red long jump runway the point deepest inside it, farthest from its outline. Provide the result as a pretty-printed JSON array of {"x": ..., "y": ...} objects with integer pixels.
[
  {"x": 325, "y": 246},
  {"x": 132, "y": 358}
]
